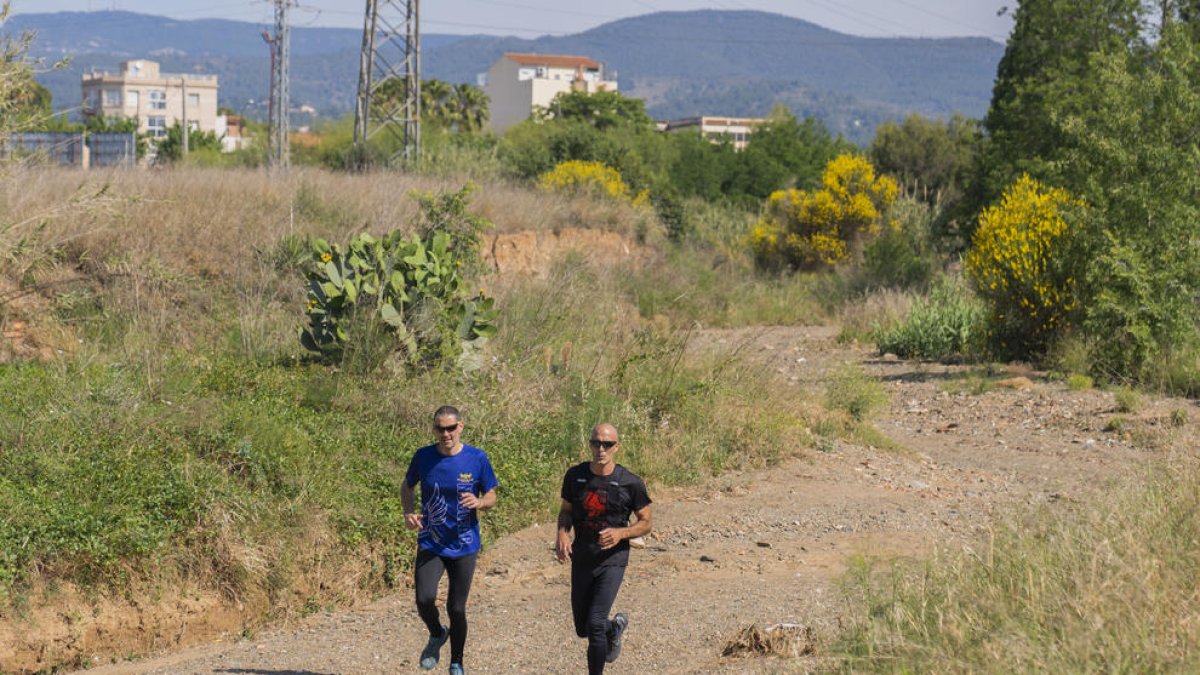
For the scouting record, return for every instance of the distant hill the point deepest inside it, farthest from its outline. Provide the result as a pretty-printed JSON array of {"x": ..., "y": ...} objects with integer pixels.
[{"x": 681, "y": 63}]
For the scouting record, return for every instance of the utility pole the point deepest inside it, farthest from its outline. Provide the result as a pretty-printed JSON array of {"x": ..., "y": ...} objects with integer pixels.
[
  {"x": 391, "y": 49},
  {"x": 183, "y": 85},
  {"x": 280, "y": 44}
]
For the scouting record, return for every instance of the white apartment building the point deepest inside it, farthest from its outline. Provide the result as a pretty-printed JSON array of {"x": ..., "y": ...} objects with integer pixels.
[
  {"x": 736, "y": 129},
  {"x": 518, "y": 82},
  {"x": 156, "y": 100}
]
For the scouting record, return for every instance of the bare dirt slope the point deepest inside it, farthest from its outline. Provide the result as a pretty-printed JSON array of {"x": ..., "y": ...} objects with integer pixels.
[{"x": 759, "y": 547}]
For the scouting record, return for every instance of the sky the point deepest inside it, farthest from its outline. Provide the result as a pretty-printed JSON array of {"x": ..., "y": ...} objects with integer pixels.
[{"x": 533, "y": 18}]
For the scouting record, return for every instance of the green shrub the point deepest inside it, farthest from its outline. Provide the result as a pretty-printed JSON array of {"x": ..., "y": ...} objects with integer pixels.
[
  {"x": 901, "y": 256},
  {"x": 1023, "y": 265},
  {"x": 1078, "y": 382},
  {"x": 1179, "y": 417},
  {"x": 401, "y": 295},
  {"x": 855, "y": 393},
  {"x": 1128, "y": 399},
  {"x": 949, "y": 323}
]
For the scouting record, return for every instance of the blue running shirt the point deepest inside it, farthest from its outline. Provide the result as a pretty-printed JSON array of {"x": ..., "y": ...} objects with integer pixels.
[{"x": 448, "y": 528}]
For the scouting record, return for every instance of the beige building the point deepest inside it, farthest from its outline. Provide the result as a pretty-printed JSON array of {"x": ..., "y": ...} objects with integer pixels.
[
  {"x": 737, "y": 129},
  {"x": 519, "y": 82},
  {"x": 157, "y": 100}
]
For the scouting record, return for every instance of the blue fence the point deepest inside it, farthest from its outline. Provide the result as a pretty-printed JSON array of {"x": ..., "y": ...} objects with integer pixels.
[{"x": 73, "y": 149}]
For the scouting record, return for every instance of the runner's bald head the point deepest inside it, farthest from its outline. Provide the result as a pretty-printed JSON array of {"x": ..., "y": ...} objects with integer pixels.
[{"x": 605, "y": 431}]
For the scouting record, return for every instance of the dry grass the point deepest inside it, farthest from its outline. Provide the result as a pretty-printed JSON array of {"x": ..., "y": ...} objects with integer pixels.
[
  {"x": 1110, "y": 585},
  {"x": 882, "y": 309}
]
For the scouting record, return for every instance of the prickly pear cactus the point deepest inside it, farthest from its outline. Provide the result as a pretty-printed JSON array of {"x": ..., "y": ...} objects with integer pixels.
[{"x": 411, "y": 285}]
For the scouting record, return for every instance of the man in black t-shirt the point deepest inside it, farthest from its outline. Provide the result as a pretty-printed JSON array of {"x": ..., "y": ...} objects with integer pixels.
[{"x": 597, "y": 500}]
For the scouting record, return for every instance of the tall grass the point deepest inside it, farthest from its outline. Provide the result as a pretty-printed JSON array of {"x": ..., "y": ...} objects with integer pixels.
[
  {"x": 1108, "y": 586},
  {"x": 948, "y": 323}
]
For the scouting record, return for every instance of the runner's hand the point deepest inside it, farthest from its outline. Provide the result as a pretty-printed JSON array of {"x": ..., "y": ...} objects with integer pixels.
[
  {"x": 468, "y": 500},
  {"x": 609, "y": 537},
  {"x": 413, "y": 520},
  {"x": 562, "y": 547}
]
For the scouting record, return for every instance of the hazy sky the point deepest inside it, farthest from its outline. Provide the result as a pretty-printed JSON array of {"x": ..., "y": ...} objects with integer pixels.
[{"x": 531, "y": 18}]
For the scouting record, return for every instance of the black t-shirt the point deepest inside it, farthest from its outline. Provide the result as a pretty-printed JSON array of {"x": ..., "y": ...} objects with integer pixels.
[{"x": 598, "y": 502}]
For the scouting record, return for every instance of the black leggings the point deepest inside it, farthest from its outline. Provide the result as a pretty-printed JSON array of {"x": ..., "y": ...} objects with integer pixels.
[
  {"x": 593, "y": 591},
  {"x": 428, "y": 573}
]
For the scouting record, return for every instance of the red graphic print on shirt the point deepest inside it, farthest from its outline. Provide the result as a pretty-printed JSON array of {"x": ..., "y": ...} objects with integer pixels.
[{"x": 594, "y": 506}]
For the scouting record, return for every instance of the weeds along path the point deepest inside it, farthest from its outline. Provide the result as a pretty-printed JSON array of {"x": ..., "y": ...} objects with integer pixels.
[{"x": 762, "y": 547}]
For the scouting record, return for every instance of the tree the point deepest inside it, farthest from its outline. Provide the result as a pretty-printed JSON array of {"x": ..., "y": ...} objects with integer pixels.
[
  {"x": 444, "y": 106},
  {"x": 170, "y": 149},
  {"x": 470, "y": 108},
  {"x": 1133, "y": 156},
  {"x": 1046, "y": 64},
  {"x": 603, "y": 109},
  {"x": 930, "y": 158},
  {"x": 22, "y": 99},
  {"x": 933, "y": 160}
]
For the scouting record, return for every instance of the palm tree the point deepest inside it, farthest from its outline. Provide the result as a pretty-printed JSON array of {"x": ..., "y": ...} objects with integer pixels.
[{"x": 470, "y": 108}]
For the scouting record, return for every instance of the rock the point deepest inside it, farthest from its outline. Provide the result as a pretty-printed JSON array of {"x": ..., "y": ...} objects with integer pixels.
[{"x": 708, "y": 559}]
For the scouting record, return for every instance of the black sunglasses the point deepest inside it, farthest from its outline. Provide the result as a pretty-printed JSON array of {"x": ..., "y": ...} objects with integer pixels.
[
  {"x": 597, "y": 443},
  {"x": 449, "y": 429}
]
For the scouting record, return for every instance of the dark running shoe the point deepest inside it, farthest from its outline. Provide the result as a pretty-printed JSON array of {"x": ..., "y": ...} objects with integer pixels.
[
  {"x": 456, "y": 669},
  {"x": 619, "y": 622},
  {"x": 433, "y": 649}
]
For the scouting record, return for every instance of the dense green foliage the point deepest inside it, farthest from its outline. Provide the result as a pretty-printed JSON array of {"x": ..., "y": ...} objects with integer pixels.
[
  {"x": 402, "y": 297},
  {"x": 170, "y": 147},
  {"x": 445, "y": 107},
  {"x": 933, "y": 161},
  {"x": 1086, "y": 103},
  {"x": 947, "y": 324}
]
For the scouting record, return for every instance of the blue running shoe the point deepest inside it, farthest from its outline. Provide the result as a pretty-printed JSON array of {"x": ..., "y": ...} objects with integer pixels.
[
  {"x": 433, "y": 649},
  {"x": 619, "y": 622}
]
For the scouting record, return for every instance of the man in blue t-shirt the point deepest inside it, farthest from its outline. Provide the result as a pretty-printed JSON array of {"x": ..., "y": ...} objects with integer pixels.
[
  {"x": 457, "y": 481},
  {"x": 598, "y": 498}
]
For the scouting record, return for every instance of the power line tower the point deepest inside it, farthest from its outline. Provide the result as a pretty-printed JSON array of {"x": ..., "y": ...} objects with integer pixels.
[
  {"x": 391, "y": 50},
  {"x": 280, "y": 43}
]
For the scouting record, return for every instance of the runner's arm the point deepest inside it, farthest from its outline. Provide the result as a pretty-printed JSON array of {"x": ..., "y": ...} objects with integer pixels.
[
  {"x": 408, "y": 502},
  {"x": 562, "y": 546},
  {"x": 642, "y": 527}
]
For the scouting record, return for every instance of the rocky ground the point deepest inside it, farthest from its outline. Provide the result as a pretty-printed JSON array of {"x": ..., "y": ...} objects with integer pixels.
[{"x": 764, "y": 547}]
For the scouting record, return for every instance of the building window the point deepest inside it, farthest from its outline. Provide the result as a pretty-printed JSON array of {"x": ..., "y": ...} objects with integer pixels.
[
  {"x": 156, "y": 126},
  {"x": 112, "y": 98},
  {"x": 132, "y": 99},
  {"x": 158, "y": 99},
  {"x": 194, "y": 101},
  {"x": 91, "y": 100}
]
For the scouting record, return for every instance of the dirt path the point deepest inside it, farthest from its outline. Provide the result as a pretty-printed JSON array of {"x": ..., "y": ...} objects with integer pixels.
[{"x": 759, "y": 547}]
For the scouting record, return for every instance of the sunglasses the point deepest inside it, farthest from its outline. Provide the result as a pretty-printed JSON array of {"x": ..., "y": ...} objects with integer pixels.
[
  {"x": 597, "y": 443},
  {"x": 450, "y": 429}
]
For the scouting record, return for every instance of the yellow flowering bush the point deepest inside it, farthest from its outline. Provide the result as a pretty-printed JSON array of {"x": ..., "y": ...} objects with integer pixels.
[
  {"x": 591, "y": 178},
  {"x": 1021, "y": 264},
  {"x": 807, "y": 230}
]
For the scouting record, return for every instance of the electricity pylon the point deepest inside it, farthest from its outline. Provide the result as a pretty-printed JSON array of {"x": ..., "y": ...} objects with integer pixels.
[{"x": 390, "y": 51}]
